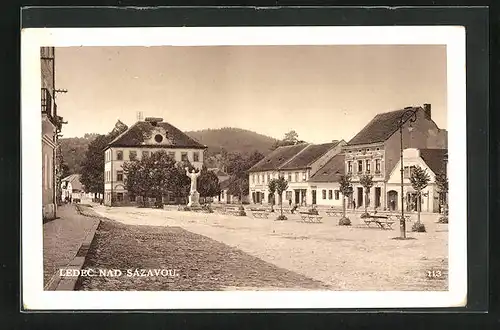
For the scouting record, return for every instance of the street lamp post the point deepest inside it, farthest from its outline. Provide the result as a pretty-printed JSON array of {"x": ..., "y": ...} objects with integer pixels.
[{"x": 402, "y": 121}]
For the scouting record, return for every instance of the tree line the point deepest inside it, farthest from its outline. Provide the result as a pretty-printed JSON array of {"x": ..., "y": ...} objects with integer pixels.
[{"x": 159, "y": 175}]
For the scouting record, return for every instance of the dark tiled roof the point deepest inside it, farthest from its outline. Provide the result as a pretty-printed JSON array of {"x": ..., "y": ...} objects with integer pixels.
[
  {"x": 224, "y": 184},
  {"x": 381, "y": 127},
  {"x": 435, "y": 159},
  {"x": 277, "y": 158},
  {"x": 137, "y": 134},
  {"x": 218, "y": 171},
  {"x": 308, "y": 155},
  {"x": 74, "y": 179},
  {"x": 332, "y": 170}
]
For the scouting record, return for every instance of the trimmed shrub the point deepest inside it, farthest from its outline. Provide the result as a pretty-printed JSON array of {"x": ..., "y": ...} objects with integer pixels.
[
  {"x": 443, "y": 219},
  {"x": 364, "y": 215},
  {"x": 281, "y": 217},
  {"x": 418, "y": 227},
  {"x": 344, "y": 221},
  {"x": 242, "y": 213},
  {"x": 207, "y": 208},
  {"x": 187, "y": 208},
  {"x": 241, "y": 208}
]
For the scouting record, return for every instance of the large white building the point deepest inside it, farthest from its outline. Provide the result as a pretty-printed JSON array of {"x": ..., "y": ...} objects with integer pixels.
[{"x": 140, "y": 140}]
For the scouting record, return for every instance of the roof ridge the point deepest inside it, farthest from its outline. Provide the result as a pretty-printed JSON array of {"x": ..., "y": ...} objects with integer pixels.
[
  {"x": 391, "y": 132},
  {"x": 294, "y": 156},
  {"x": 322, "y": 168},
  {"x": 121, "y": 134},
  {"x": 334, "y": 145}
]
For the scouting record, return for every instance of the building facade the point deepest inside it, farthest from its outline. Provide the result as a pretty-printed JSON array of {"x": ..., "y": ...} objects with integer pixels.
[
  {"x": 376, "y": 150},
  {"x": 138, "y": 141},
  {"x": 71, "y": 188},
  {"x": 51, "y": 126},
  {"x": 326, "y": 182},
  {"x": 433, "y": 161},
  {"x": 296, "y": 163}
]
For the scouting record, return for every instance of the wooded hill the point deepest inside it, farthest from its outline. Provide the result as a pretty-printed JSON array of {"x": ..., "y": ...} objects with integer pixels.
[{"x": 232, "y": 140}]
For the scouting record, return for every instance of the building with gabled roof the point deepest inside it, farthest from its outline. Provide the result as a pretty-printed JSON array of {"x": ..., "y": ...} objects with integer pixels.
[
  {"x": 326, "y": 182},
  {"x": 71, "y": 187},
  {"x": 434, "y": 162},
  {"x": 375, "y": 150},
  {"x": 296, "y": 163},
  {"x": 138, "y": 141},
  {"x": 221, "y": 175}
]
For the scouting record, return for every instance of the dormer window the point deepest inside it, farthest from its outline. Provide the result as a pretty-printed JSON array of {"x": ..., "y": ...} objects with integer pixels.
[{"x": 158, "y": 138}]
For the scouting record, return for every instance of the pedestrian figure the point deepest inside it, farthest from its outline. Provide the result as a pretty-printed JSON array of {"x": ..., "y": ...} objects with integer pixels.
[
  {"x": 354, "y": 204},
  {"x": 290, "y": 202}
]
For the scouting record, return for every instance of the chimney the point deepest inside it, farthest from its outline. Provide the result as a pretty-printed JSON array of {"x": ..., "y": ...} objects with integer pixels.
[
  {"x": 427, "y": 110},
  {"x": 153, "y": 120}
]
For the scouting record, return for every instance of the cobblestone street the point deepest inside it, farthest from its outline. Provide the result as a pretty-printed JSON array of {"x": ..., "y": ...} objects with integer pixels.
[{"x": 342, "y": 258}]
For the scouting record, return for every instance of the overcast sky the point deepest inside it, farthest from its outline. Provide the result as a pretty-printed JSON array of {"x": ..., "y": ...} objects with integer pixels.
[{"x": 322, "y": 92}]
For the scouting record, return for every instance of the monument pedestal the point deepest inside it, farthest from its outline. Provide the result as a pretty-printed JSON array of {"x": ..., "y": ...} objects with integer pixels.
[{"x": 194, "y": 199}]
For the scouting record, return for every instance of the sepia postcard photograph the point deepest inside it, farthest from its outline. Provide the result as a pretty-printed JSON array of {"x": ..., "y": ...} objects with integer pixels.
[{"x": 220, "y": 168}]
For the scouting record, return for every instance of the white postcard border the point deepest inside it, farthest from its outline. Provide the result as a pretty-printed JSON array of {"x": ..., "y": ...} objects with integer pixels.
[{"x": 35, "y": 298}]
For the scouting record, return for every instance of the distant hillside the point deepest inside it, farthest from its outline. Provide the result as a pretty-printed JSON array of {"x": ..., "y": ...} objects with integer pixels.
[
  {"x": 233, "y": 140},
  {"x": 73, "y": 151}
]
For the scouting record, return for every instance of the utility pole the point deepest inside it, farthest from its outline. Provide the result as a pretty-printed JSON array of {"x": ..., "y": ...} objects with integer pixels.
[{"x": 139, "y": 116}]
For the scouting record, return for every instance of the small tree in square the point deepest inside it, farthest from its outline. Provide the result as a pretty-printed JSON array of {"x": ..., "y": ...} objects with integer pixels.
[
  {"x": 367, "y": 182},
  {"x": 271, "y": 186},
  {"x": 208, "y": 183},
  {"x": 419, "y": 179},
  {"x": 346, "y": 190},
  {"x": 442, "y": 186},
  {"x": 281, "y": 186}
]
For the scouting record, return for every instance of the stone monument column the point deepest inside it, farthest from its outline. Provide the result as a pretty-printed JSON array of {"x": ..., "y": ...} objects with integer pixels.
[{"x": 194, "y": 196}]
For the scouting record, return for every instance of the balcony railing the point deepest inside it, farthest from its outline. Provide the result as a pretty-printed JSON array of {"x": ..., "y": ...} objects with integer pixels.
[
  {"x": 47, "y": 53},
  {"x": 46, "y": 99}
]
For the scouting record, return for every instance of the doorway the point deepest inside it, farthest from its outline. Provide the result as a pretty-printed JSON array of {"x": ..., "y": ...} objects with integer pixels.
[
  {"x": 359, "y": 201},
  {"x": 392, "y": 200},
  {"x": 297, "y": 197},
  {"x": 378, "y": 193}
]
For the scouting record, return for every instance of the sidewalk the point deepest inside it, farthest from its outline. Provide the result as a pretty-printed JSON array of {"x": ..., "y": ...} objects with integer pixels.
[{"x": 62, "y": 239}]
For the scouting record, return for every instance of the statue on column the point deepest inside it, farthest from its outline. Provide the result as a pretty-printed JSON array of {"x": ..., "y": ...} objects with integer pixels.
[{"x": 194, "y": 196}]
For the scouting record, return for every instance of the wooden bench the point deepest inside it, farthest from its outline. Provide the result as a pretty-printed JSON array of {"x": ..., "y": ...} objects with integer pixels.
[
  {"x": 334, "y": 213},
  {"x": 260, "y": 214},
  {"x": 310, "y": 217},
  {"x": 232, "y": 211},
  {"x": 383, "y": 221}
]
